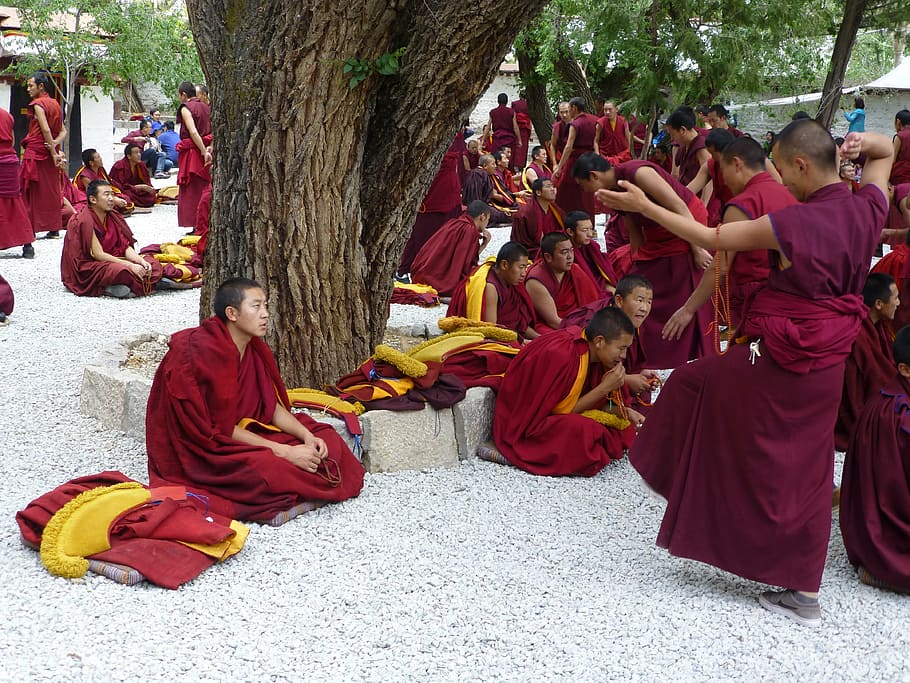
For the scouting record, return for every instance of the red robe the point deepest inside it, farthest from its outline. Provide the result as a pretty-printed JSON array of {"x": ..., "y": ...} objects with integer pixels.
[
  {"x": 38, "y": 175},
  {"x": 596, "y": 266},
  {"x": 613, "y": 143},
  {"x": 687, "y": 159},
  {"x": 523, "y": 118},
  {"x": 570, "y": 196},
  {"x": 202, "y": 389},
  {"x": 7, "y": 300},
  {"x": 125, "y": 176},
  {"x": 514, "y": 309},
  {"x": 479, "y": 185},
  {"x": 15, "y": 223},
  {"x": 449, "y": 256},
  {"x": 743, "y": 450},
  {"x": 193, "y": 175},
  {"x": 897, "y": 265},
  {"x": 900, "y": 169},
  {"x": 531, "y": 223},
  {"x": 530, "y": 427},
  {"x": 875, "y": 489},
  {"x": 503, "y": 132},
  {"x": 720, "y": 195},
  {"x": 869, "y": 367},
  {"x": 573, "y": 291},
  {"x": 85, "y": 175},
  {"x": 83, "y": 275}
]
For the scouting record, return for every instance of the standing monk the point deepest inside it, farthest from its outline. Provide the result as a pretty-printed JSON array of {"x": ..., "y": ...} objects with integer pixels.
[
  {"x": 582, "y": 130},
  {"x": 15, "y": 225},
  {"x": 523, "y": 119},
  {"x": 503, "y": 125},
  {"x": 716, "y": 118},
  {"x": 560, "y": 132},
  {"x": 613, "y": 139},
  {"x": 193, "y": 155},
  {"x": 741, "y": 445},
  {"x": 41, "y": 157},
  {"x": 691, "y": 152},
  {"x": 900, "y": 171}
]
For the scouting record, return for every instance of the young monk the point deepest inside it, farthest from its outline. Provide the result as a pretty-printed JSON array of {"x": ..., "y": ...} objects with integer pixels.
[
  {"x": 691, "y": 152},
  {"x": 900, "y": 172},
  {"x": 613, "y": 139},
  {"x": 580, "y": 140},
  {"x": 495, "y": 294},
  {"x": 537, "y": 217},
  {"x": 588, "y": 256},
  {"x": 15, "y": 223},
  {"x": 131, "y": 175},
  {"x": 556, "y": 284},
  {"x": 550, "y": 383},
  {"x": 875, "y": 491},
  {"x": 42, "y": 156},
  {"x": 218, "y": 419},
  {"x": 870, "y": 363},
  {"x": 741, "y": 445},
  {"x": 93, "y": 169},
  {"x": 479, "y": 186},
  {"x": 451, "y": 254},
  {"x": 538, "y": 168}
]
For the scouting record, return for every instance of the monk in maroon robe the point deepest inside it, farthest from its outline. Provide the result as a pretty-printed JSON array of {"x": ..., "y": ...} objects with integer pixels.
[
  {"x": 670, "y": 263},
  {"x": 479, "y": 186},
  {"x": 538, "y": 216},
  {"x": 716, "y": 118},
  {"x": 218, "y": 419},
  {"x": 502, "y": 125},
  {"x": 538, "y": 423},
  {"x": 897, "y": 229},
  {"x": 538, "y": 168},
  {"x": 41, "y": 156},
  {"x": 523, "y": 119},
  {"x": 131, "y": 176},
  {"x": 691, "y": 152},
  {"x": 900, "y": 171},
  {"x": 870, "y": 363},
  {"x": 556, "y": 284},
  {"x": 442, "y": 203},
  {"x": 495, "y": 293},
  {"x": 193, "y": 156},
  {"x": 582, "y": 130},
  {"x": 875, "y": 489},
  {"x": 897, "y": 265},
  {"x": 93, "y": 169},
  {"x": 612, "y": 137},
  {"x": 451, "y": 254},
  {"x": 560, "y": 134},
  {"x": 15, "y": 223},
  {"x": 741, "y": 445},
  {"x": 588, "y": 256},
  {"x": 99, "y": 255}
]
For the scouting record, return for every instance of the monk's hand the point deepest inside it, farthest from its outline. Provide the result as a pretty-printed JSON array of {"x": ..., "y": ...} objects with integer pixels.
[
  {"x": 303, "y": 456},
  {"x": 852, "y": 147},
  {"x": 628, "y": 198},
  {"x": 637, "y": 384},
  {"x": 140, "y": 270},
  {"x": 677, "y": 324},
  {"x": 636, "y": 418},
  {"x": 613, "y": 379},
  {"x": 652, "y": 378},
  {"x": 702, "y": 257},
  {"x": 119, "y": 202},
  {"x": 319, "y": 446}
]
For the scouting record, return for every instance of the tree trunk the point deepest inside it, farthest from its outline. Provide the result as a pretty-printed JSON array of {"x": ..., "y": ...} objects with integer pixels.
[
  {"x": 840, "y": 57},
  {"x": 316, "y": 185},
  {"x": 535, "y": 87},
  {"x": 570, "y": 71}
]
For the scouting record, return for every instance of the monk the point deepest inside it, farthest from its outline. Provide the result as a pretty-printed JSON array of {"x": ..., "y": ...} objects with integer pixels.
[
  {"x": 503, "y": 125},
  {"x": 451, "y": 254},
  {"x": 716, "y": 118},
  {"x": 219, "y": 421},
  {"x": 538, "y": 168},
  {"x": 582, "y": 130},
  {"x": 709, "y": 182},
  {"x": 194, "y": 157},
  {"x": 741, "y": 445},
  {"x": 756, "y": 194},
  {"x": 556, "y": 284},
  {"x": 613, "y": 138},
  {"x": 588, "y": 256},
  {"x": 15, "y": 223},
  {"x": 537, "y": 217},
  {"x": 691, "y": 152},
  {"x": 99, "y": 255},
  {"x": 523, "y": 119},
  {"x": 900, "y": 172},
  {"x": 870, "y": 364},
  {"x": 478, "y": 186},
  {"x": 494, "y": 293},
  {"x": 897, "y": 228},
  {"x": 131, "y": 176},
  {"x": 93, "y": 169},
  {"x": 560, "y": 134},
  {"x": 875, "y": 491},
  {"x": 671, "y": 263},
  {"x": 538, "y": 423},
  {"x": 41, "y": 157},
  {"x": 469, "y": 159}
]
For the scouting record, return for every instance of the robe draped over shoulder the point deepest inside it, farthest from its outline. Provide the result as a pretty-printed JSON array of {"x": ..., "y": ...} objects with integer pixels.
[{"x": 448, "y": 256}]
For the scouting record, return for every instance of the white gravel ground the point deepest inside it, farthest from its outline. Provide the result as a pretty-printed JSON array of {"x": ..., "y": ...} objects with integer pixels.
[{"x": 475, "y": 573}]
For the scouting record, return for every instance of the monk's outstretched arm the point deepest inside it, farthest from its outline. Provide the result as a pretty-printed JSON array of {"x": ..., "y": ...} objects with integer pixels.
[
  {"x": 879, "y": 155},
  {"x": 697, "y": 184}
]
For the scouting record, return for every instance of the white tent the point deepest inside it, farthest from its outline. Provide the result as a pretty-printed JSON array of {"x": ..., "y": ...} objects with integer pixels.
[{"x": 896, "y": 79}]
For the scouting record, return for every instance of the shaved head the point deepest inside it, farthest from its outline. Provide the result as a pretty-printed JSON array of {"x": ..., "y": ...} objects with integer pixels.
[{"x": 807, "y": 138}]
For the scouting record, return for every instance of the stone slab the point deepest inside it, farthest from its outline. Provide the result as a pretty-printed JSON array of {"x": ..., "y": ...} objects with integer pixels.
[
  {"x": 410, "y": 440},
  {"x": 473, "y": 420}
]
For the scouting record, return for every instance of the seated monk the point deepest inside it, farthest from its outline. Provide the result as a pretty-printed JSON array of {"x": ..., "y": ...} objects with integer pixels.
[
  {"x": 898, "y": 226},
  {"x": 538, "y": 168},
  {"x": 131, "y": 175},
  {"x": 450, "y": 255},
  {"x": 218, "y": 419},
  {"x": 93, "y": 169},
  {"x": 588, "y": 255},
  {"x": 537, "y": 217},
  {"x": 99, "y": 255},
  {"x": 556, "y": 285},
  {"x": 875, "y": 490},
  {"x": 506, "y": 194},
  {"x": 494, "y": 293},
  {"x": 870, "y": 363},
  {"x": 478, "y": 185},
  {"x": 538, "y": 423}
]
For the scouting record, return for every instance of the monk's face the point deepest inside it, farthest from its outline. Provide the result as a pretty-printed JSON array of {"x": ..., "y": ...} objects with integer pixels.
[
  {"x": 135, "y": 155},
  {"x": 610, "y": 111},
  {"x": 889, "y": 308},
  {"x": 636, "y": 304},
  {"x": 490, "y": 166},
  {"x": 103, "y": 199},
  {"x": 611, "y": 353},
  {"x": 513, "y": 272},
  {"x": 715, "y": 121},
  {"x": 733, "y": 174},
  {"x": 473, "y": 147},
  {"x": 583, "y": 233},
  {"x": 33, "y": 89},
  {"x": 562, "y": 258},
  {"x": 541, "y": 156},
  {"x": 599, "y": 180},
  {"x": 96, "y": 161},
  {"x": 548, "y": 191},
  {"x": 252, "y": 316},
  {"x": 564, "y": 111}
]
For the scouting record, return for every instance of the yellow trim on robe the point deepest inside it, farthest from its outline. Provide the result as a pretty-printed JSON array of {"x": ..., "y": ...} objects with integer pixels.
[
  {"x": 565, "y": 406},
  {"x": 228, "y": 547},
  {"x": 475, "y": 286},
  {"x": 247, "y": 421},
  {"x": 416, "y": 287}
]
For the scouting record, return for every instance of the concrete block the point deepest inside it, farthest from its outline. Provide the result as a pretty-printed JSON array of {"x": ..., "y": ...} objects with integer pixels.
[
  {"x": 473, "y": 420},
  {"x": 137, "y": 398},
  {"x": 410, "y": 440},
  {"x": 104, "y": 395}
]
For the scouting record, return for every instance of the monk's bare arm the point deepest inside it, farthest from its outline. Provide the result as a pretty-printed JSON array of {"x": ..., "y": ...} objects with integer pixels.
[
  {"x": 879, "y": 155},
  {"x": 544, "y": 305},
  {"x": 598, "y": 131},
  {"x": 700, "y": 180},
  {"x": 611, "y": 381},
  {"x": 636, "y": 236},
  {"x": 137, "y": 266},
  {"x": 566, "y": 153},
  {"x": 652, "y": 184},
  {"x": 485, "y": 238},
  {"x": 772, "y": 169},
  {"x": 756, "y": 234},
  {"x": 186, "y": 117},
  {"x": 490, "y": 304},
  {"x": 515, "y": 128},
  {"x": 302, "y": 456},
  {"x": 286, "y": 422}
]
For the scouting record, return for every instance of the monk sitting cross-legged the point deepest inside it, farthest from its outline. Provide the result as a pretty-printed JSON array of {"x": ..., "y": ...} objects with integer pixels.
[
  {"x": 556, "y": 284},
  {"x": 131, "y": 175},
  {"x": 218, "y": 419},
  {"x": 537, "y": 217},
  {"x": 541, "y": 422}
]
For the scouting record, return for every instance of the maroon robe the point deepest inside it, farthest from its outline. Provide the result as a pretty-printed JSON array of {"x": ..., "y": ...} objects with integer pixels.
[
  {"x": 569, "y": 196},
  {"x": 596, "y": 266},
  {"x": 573, "y": 291},
  {"x": 875, "y": 489},
  {"x": 193, "y": 176},
  {"x": 38, "y": 175},
  {"x": 900, "y": 170},
  {"x": 126, "y": 176},
  {"x": 687, "y": 159},
  {"x": 514, "y": 309},
  {"x": 479, "y": 185},
  {"x": 526, "y": 430},
  {"x": 561, "y": 132},
  {"x": 531, "y": 223},
  {"x": 15, "y": 223},
  {"x": 742, "y": 448},
  {"x": 613, "y": 143},
  {"x": 502, "y": 132},
  {"x": 85, "y": 175},
  {"x": 897, "y": 265},
  {"x": 523, "y": 118},
  {"x": 202, "y": 389},
  {"x": 449, "y": 256},
  {"x": 868, "y": 368},
  {"x": 7, "y": 300},
  {"x": 82, "y": 274}
]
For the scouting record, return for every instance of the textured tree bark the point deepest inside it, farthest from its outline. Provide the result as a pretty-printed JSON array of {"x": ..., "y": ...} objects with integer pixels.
[
  {"x": 316, "y": 185},
  {"x": 840, "y": 57},
  {"x": 570, "y": 71},
  {"x": 535, "y": 86}
]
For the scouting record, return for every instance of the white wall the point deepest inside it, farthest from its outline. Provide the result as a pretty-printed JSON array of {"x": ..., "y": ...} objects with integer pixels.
[
  {"x": 97, "y": 123},
  {"x": 6, "y": 93},
  {"x": 507, "y": 83}
]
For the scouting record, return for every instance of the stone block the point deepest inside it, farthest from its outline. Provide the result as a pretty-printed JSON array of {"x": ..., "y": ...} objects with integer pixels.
[
  {"x": 339, "y": 426},
  {"x": 137, "y": 398},
  {"x": 104, "y": 395},
  {"x": 473, "y": 420},
  {"x": 409, "y": 440}
]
